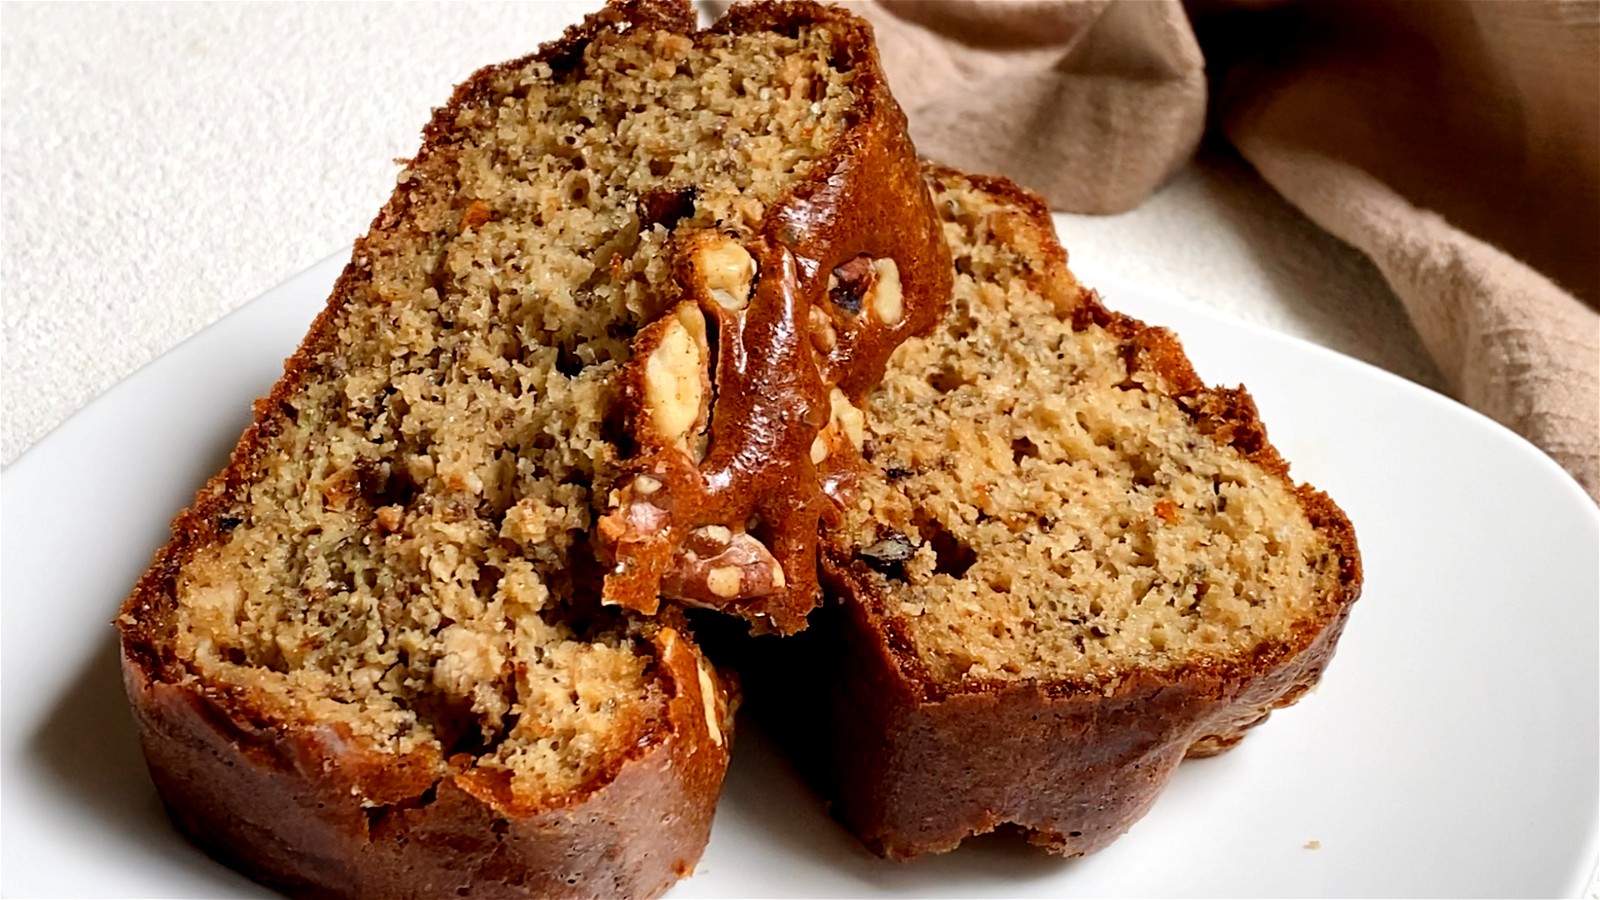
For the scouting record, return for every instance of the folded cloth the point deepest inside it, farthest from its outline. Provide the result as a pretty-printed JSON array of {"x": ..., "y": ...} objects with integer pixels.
[
  {"x": 1456, "y": 144},
  {"x": 1056, "y": 90}
]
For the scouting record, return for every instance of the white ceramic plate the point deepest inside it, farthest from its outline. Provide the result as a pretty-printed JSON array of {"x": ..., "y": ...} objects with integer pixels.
[{"x": 1451, "y": 750}]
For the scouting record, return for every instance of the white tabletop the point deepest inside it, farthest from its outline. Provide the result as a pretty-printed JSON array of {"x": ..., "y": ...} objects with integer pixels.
[{"x": 165, "y": 163}]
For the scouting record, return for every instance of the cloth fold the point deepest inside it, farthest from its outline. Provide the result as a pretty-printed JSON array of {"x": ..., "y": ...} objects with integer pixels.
[
  {"x": 1051, "y": 89},
  {"x": 1455, "y": 144}
]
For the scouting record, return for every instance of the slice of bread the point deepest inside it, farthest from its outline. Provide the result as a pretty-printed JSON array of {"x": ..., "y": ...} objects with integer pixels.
[
  {"x": 374, "y": 658},
  {"x": 1068, "y": 564}
]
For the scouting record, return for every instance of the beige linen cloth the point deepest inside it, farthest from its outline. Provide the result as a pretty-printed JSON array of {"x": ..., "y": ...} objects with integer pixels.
[{"x": 1457, "y": 144}]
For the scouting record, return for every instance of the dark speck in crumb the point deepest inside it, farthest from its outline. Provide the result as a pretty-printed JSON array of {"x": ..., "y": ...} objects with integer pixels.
[
  {"x": 889, "y": 554},
  {"x": 665, "y": 206}
]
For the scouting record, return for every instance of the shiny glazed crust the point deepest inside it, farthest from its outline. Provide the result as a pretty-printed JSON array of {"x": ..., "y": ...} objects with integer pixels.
[
  {"x": 915, "y": 765},
  {"x": 772, "y": 377}
]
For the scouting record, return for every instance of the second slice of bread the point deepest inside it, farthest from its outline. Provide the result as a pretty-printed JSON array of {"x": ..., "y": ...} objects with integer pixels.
[{"x": 1068, "y": 565}]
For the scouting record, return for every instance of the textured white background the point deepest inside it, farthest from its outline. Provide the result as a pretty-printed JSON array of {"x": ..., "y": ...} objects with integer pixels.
[{"x": 165, "y": 163}]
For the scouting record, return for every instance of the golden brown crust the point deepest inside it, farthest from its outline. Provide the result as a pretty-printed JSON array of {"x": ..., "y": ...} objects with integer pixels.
[
  {"x": 916, "y": 765},
  {"x": 276, "y": 803},
  {"x": 772, "y": 381}
]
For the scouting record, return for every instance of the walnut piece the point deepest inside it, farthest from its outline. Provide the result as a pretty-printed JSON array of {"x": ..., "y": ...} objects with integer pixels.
[
  {"x": 823, "y": 335},
  {"x": 708, "y": 689},
  {"x": 819, "y": 449},
  {"x": 729, "y": 271},
  {"x": 845, "y": 423},
  {"x": 716, "y": 564},
  {"x": 724, "y": 581},
  {"x": 675, "y": 375},
  {"x": 888, "y": 300},
  {"x": 708, "y": 699},
  {"x": 849, "y": 420}
]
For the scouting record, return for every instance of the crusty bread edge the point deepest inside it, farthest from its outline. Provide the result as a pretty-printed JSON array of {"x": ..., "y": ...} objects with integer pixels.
[{"x": 283, "y": 805}]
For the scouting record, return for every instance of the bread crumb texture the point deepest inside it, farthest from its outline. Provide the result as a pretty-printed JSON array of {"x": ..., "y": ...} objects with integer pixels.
[
  {"x": 1036, "y": 510},
  {"x": 412, "y": 557}
]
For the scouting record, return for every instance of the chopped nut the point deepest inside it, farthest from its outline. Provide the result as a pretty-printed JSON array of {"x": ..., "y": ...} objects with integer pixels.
[
  {"x": 716, "y": 564},
  {"x": 845, "y": 423},
  {"x": 674, "y": 375},
  {"x": 823, "y": 336},
  {"x": 646, "y": 485},
  {"x": 724, "y": 581},
  {"x": 887, "y": 298},
  {"x": 708, "y": 698},
  {"x": 852, "y": 421},
  {"x": 729, "y": 271},
  {"x": 646, "y": 518},
  {"x": 718, "y": 534}
]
